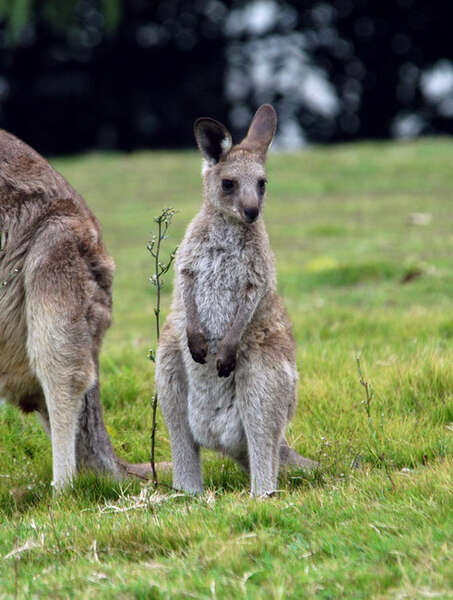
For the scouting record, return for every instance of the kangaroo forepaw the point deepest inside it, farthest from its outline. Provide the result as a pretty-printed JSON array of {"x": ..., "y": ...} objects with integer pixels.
[
  {"x": 226, "y": 361},
  {"x": 198, "y": 346}
]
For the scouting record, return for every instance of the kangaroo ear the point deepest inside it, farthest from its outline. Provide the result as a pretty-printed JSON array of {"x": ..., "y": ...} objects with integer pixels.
[
  {"x": 262, "y": 130},
  {"x": 213, "y": 139}
]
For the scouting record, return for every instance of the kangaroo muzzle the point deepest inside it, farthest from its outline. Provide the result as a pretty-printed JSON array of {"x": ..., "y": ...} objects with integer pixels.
[{"x": 251, "y": 213}]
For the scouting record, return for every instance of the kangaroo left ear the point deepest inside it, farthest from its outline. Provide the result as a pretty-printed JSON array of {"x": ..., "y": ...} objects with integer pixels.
[
  {"x": 261, "y": 131},
  {"x": 213, "y": 139}
]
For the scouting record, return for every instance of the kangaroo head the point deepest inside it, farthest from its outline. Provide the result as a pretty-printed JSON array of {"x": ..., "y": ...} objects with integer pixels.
[{"x": 234, "y": 176}]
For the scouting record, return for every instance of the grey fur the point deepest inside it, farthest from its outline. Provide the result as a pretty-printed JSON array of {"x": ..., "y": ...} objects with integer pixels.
[{"x": 226, "y": 372}]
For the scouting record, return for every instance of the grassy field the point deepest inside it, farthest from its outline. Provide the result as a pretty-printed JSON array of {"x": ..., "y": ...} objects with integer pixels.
[{"x": 358, "y": 278}]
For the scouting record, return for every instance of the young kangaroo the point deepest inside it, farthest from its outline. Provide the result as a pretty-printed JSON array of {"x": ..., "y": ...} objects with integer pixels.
[
  {"x": 226, "y": 369},
  {"x": 55, "y": 305}
]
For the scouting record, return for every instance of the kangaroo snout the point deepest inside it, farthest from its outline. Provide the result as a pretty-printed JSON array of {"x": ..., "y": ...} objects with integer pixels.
[{"x": 251, "y": 213}]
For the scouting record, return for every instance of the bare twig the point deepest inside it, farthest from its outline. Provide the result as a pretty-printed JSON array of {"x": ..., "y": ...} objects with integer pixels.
[
  {"x": 369, "y": 392},
  {"x": 387, "y": 471},
  {"x": 369, "y": 395},
  {"x": 154, "y": 247}
]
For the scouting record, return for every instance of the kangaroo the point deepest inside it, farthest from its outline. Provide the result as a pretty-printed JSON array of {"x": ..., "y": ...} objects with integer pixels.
[
  {"x": 226, "y": 372},
  {"x": 55, "y": 305}
]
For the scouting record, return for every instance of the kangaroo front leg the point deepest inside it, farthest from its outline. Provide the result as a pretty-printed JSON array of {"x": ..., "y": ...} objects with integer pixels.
[
  {"x": 228, "y": 347},
  {"x": 196, "y": 340}
]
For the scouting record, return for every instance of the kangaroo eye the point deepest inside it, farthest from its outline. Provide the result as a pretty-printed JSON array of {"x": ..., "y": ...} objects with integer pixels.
[
  {"x": 227, "y": 185},
  {"x": 261, "y": 186}
]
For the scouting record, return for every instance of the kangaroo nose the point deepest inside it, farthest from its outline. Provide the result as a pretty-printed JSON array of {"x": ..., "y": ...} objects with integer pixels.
[{"x": 251, "y": 212}]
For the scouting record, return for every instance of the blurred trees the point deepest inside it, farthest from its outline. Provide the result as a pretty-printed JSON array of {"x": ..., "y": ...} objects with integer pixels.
[
  {"x": 108, "y": 75},
  {"x": 348, "y": 69},
  {"x": 80, "y": 74}
]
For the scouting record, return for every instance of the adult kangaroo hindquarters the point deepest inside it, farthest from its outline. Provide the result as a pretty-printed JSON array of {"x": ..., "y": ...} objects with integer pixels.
[
  {"x": 55, "y": 306},
  {"x": 226, "y": 370}
]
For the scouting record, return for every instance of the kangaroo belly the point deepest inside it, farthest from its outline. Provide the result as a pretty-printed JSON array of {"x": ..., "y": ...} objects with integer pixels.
[{"x": 213, "y": 409}]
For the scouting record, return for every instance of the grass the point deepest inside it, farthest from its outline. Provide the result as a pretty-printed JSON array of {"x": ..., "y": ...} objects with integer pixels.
[{"x": 377, "y": 520}]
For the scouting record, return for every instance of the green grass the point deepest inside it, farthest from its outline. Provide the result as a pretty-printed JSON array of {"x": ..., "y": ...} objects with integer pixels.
[{"x": 377, "y": 520}]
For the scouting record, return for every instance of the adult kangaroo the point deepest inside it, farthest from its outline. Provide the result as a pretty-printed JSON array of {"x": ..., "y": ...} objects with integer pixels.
[
  {"x": 55, "y": 305},
  {"x": 226, "y": 368}
]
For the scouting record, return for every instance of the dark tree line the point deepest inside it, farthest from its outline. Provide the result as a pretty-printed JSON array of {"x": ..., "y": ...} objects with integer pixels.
[{"x": 127, "y": 74}]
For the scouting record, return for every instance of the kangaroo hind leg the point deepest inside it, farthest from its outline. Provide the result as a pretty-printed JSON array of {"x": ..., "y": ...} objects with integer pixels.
[
  {"x": 64, "y": 378},
  {"x": 264, "y": 421},
  {"x": 59, "y": 346}
]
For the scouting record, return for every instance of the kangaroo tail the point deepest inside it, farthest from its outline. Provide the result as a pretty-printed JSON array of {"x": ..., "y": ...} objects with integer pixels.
[
  {"x": 94, "y": 449},
  {"x": 289, "y": 457}
]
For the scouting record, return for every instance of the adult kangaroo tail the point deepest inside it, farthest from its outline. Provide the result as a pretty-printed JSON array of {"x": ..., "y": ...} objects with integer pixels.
[
  {"x": 94, "y": 449},
  {"x": 289, "y": 457},
  {"x": 93, "y": 446}
]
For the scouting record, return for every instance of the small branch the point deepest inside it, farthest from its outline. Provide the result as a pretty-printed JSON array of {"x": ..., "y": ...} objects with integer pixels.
[
  {"x": 369, "y": 395},
  {"x": 154, "y": 247},
  {"x": 387, "y": 471},
  {"x": 369, "y": 392}
]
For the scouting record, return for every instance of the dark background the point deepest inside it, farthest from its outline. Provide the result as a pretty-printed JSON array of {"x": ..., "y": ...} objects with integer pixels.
[{"x": 133, "y": 74}]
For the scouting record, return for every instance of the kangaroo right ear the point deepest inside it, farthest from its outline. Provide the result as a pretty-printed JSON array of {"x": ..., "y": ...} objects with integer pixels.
[{"x": 213, "y": 139}]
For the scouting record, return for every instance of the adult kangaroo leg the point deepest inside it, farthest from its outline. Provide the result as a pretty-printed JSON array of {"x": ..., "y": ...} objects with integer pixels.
[
  {"x": 94, "y": 449},
  {"x": 64, "y": 378},
  {"x": 171, "y": 385},
  {"x": 60, "y": 344}
]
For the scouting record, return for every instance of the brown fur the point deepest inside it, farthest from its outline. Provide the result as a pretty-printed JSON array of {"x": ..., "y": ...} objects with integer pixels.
[{"x": 54, "y": 308}]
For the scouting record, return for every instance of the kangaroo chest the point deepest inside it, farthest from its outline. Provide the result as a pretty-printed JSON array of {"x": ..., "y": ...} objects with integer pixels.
[{"x": 221, "y": 272}]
